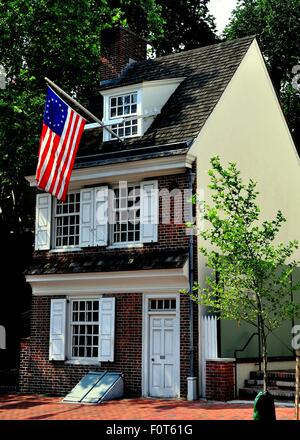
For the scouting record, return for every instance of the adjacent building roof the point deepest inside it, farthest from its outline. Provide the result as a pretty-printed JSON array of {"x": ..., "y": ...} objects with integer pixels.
[
  {"x": 84, "y": 262},
  {"x": 207, "y": 70}
]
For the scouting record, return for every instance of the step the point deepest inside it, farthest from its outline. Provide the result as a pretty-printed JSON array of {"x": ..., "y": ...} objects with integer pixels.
[
  {"x": 281, "y": 375},
  {"x": 277, "y": 393},
  {"x": 272, "y": 383}
]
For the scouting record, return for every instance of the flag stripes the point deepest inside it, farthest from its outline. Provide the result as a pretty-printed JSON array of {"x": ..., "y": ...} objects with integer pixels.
[{"x": 61, "y": 134}]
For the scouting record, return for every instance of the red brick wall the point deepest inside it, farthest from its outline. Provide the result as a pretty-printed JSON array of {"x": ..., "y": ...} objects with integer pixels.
[
  {"x": 185, "y": 343},
  {"x": 59, "y": 378},
  {"x": 219, "y": 380},
  {"x": 117, "y": 46},
  {"x": 171, "y": 236},
  {"x": 24, "y": 370},
  {"x": 39, "y": 375}
]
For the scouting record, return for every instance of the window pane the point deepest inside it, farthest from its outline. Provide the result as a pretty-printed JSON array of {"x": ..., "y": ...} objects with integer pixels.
[
  {"x": 126, "y": 214},
  {"x": 85, "y": 337},
  {"x": 67, "y": 215},
  {"x": 124, "y": 105}
]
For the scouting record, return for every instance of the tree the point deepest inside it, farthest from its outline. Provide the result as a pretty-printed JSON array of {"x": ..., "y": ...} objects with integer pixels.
[
  {"x": 38, "y": 39},
  {"x": 250, "y": 277},
  {"x": 184, "y": 24},
  {"x": 60, "y": 40},
  {"x": 277, "y": 26}
]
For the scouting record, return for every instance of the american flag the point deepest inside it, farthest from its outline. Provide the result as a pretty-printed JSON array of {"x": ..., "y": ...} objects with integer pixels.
[{"x": 61, "y": 133}]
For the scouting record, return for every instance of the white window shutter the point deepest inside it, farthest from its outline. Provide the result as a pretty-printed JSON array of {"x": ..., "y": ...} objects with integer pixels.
[
  {"x": 101, "y": 216},
  {"x": 86, "y": 235},
  {"x": 107, "y": 329},
  {"x": 43, "y": 221},
  {"x": 149, "y": 211},
  {"x": 57, "y": 343}
]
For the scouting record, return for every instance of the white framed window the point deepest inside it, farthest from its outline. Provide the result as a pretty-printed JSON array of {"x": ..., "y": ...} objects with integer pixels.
[
  {"x": 98, "y": 216},
  {"x": 123, "y": 106},
  {"x": 165, "y": 304},
  {"x": 84, "y": 329},
  {"x": 122, "y": 112},
  {"x": 126, "y": 227},
  {"x": 67, "y": 221}
]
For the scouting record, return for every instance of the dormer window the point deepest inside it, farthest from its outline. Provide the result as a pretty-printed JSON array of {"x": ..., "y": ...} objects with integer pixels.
[
  {"x": 125, "y": 107},
  {"x": 130, "y": 110}
]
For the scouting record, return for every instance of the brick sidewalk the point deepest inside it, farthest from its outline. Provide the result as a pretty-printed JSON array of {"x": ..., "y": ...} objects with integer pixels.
[{"x": 33, "y": 407}]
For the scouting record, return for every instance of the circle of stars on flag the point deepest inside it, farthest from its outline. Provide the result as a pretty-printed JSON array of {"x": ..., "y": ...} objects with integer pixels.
[{"x": 48, "y": 116}]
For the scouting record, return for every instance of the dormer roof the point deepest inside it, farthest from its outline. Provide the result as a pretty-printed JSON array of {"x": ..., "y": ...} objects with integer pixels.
[{"x": 207, "y": 72}]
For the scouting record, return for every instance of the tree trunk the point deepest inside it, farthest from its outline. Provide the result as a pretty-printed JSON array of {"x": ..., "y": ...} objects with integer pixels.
[
  {"x": 261, "y": 329},
  {"x": 265, "y": 356}
]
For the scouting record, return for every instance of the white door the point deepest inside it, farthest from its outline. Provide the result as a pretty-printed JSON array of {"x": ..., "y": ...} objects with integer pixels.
[{"x": 163, "y": 374}]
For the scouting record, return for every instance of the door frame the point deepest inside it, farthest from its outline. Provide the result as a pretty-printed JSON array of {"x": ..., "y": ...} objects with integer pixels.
[{"x": 146, "y": 341}]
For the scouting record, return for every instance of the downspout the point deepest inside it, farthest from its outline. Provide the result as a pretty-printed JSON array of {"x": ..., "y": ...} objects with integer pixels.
[{"x": 192, "y": 387}]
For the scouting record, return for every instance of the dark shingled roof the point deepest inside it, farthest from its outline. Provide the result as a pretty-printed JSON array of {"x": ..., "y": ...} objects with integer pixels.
[
  {"x": 207, "y": 70},
  {"x": 106, "y": 262}
]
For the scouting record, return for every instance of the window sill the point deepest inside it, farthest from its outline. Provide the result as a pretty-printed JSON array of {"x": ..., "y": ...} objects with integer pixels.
[
  {"x": 82, "y": 362},
  {"x": 125, "y": 245},
  {"x": 67, "y": 249}
]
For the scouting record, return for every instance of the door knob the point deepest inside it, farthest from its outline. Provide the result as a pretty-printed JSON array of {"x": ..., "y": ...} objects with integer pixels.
[{"x": 152, "y": 359}]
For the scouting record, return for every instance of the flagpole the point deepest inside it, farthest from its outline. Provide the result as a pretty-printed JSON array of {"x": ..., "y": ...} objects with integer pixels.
[{"x": 87, "y": 112}]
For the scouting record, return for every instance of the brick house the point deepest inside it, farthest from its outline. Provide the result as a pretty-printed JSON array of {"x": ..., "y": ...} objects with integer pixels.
[{"x": 109, "y": 263}]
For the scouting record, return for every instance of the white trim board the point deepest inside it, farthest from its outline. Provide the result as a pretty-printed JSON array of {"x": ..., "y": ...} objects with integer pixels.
[
  {"x": 145, "y": 281},
  {"x": 140, "y": 169}
]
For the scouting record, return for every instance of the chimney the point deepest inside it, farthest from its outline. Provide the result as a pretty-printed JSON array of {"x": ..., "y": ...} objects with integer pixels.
[{"x": 119, "y": 47}]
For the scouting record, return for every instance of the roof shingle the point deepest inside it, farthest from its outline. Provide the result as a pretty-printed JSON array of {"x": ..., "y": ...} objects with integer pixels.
[
  {"x": 98, "y": 261},
  {"x": 207, "y": 70}
]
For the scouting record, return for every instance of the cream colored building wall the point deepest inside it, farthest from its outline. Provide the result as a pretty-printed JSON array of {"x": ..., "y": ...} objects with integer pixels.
[{"x": 247, "y": 127}]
